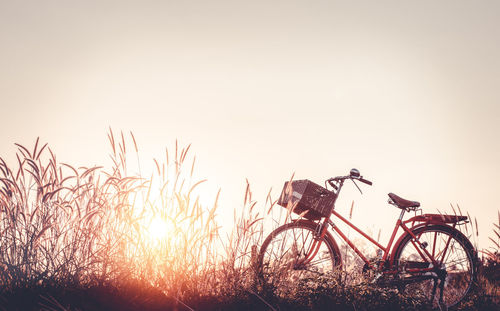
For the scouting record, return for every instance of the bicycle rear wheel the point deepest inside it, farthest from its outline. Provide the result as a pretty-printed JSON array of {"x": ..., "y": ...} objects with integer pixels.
[
  {"x": 283, "y": 257},
  {"x": 455, "y": 255}
]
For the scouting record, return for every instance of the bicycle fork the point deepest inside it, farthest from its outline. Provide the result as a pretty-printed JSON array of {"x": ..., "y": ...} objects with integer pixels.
[{"x": 313, "y": 251}]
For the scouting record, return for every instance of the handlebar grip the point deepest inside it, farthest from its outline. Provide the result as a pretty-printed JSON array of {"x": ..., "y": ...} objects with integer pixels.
[{"x": 365, "y": 181}]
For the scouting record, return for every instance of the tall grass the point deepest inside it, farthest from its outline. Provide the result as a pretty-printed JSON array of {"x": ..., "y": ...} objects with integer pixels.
[
  {"x": 140, "y": 238},
  {"x": 51, "y": 223},
  {"x": 92, "y": 226}
]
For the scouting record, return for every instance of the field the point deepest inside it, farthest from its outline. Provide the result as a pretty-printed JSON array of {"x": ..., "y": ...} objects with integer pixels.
[{"x": 96, "y": 238}]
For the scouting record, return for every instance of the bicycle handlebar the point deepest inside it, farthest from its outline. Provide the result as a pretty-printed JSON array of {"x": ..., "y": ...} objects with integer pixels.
[
  {"x": 361, "y": 179},
  {"x": 330, "y": 182},
  {"x": 342, "y": 178}
]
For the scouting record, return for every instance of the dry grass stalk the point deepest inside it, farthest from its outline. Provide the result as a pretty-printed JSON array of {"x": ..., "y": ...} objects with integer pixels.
[{"x": 85, "y": 226}]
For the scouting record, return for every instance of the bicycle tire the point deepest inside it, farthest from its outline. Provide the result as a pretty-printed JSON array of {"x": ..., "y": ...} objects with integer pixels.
[
  {"x": 459, "y": 262},
  {"x": 283, "y": 249}
]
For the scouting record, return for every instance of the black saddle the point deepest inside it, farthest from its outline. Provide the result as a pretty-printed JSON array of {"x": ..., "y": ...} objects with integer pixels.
[{"x": 403, "y": 203}]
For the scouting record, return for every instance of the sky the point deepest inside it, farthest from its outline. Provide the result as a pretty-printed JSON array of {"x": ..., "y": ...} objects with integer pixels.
[{"x": 405, "y": 91}]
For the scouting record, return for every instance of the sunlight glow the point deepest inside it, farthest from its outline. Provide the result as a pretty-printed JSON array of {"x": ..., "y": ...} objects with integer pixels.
[{"x": 158, "y": 229}]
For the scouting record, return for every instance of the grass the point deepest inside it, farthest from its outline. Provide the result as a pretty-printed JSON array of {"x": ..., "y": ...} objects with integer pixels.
[{"x": 94, "y": 238}]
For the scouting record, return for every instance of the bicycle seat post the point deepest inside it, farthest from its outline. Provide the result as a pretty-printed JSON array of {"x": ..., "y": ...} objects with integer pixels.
[{"x": 402, "y": 214}]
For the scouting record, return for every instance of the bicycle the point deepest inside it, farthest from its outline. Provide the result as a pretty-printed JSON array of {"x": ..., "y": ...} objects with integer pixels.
[{"x": 431, "y": 257}]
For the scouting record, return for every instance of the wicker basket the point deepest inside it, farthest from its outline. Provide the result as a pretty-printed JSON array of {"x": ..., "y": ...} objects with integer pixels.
[{"x": 304, "y": 195}]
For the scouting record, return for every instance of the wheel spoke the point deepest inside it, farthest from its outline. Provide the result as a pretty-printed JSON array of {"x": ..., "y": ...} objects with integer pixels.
[
  {"x": 454, "y": 254},
  {"x": 283, "y": 256},
  {"x": 318, "y": 261}
]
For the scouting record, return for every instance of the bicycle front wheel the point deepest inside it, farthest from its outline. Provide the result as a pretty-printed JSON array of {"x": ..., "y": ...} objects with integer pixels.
[
  {"x": 286, "y": 260},
  {"x": 455, "y": 256}
]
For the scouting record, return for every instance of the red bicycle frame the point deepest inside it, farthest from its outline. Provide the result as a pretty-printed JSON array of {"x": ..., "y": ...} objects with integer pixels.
[{"x": 416, "y": 221}]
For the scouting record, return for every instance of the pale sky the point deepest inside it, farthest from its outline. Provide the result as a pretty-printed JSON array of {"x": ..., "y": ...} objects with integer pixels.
[{"x": 405, "y": 91}]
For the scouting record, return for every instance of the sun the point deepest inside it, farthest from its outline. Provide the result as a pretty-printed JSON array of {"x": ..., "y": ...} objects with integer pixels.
[{"x": 157, "y": 229}]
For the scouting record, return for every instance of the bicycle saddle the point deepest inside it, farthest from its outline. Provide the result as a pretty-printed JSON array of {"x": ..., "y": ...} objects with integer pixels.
[{"x": 403, "y": 203}]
